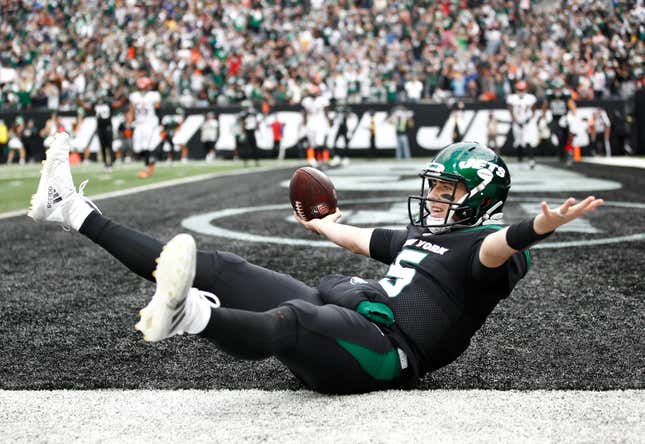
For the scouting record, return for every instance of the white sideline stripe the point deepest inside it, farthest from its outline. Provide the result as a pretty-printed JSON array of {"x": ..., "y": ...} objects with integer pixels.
[
  {"x": 633, "y": 162},
  {"x": 164, "y": 184},
  {"x": 232, "y": 416}
]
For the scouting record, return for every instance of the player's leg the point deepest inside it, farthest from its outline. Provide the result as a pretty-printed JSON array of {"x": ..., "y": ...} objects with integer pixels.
[
  {"x": 531, "y": 154},
  {"x": 109, "y": 141},
  {"x": 518, "y": 142},
  {"x": 153, "y": 144},
  {"x": 138, "y": 147},
  {"x": 311, "y": 136},
  {"x": 330, "y": 348},
  {"x": 142, "y": 140},
  {"x": 406, "y": 147},
  {"x": 105, "y": 140},
  {"x": 254, "y": 148},
  {"x": 235, "y": 281},
  {"x": 398, "y": 155},
  {"x": 238, "y": 283}
]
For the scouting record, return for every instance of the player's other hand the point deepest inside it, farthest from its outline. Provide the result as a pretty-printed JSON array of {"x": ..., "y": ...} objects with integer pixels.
[
  {"x": 313, "y": 225},
  {"x": 550, "y": 219}
]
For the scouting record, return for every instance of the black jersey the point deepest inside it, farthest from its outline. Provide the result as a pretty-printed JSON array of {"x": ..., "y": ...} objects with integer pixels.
[
  {"x": 170, "y": 125},
  {"x": 439, "y": 291},
  {"x": 103, "y": 112},
  {"x": 558, "y": 101}
]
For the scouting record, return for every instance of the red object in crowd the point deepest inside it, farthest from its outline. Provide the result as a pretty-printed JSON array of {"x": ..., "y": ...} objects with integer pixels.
[
  {"x": 132, "y": 53},
  {"x": 277, "y": 127},
  {"x": 568, "y": 147},
  {"x": 234, "y": 64}
]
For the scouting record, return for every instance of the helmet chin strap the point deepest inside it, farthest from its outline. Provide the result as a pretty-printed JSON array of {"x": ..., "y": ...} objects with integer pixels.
[
  {"x": 432, "y": 222},
  {"x": 489, "y": 218},
  {"x": 450, "y": 219}
]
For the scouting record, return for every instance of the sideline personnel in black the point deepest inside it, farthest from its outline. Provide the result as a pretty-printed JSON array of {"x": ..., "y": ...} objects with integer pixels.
[{"x": 448, "y": 270}]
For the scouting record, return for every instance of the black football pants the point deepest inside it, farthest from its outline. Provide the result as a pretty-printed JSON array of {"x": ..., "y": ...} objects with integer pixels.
[
  {"x": 330, "y": 348},
  {"x": 105, "y": 140}
]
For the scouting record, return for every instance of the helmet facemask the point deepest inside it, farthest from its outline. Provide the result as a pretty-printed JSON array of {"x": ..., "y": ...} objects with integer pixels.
[{"x": 419, "y": 207}]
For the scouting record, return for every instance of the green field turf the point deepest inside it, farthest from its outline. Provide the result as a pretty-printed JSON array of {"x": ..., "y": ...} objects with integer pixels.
[{"x": 18, "y": 183}]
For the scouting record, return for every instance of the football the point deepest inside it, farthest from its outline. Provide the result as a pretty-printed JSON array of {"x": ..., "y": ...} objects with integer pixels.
[{"x": 312, "y": 193}]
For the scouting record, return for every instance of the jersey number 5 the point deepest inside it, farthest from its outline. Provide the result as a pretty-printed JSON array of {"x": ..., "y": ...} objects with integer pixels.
[{"x": 398, "y": 277}]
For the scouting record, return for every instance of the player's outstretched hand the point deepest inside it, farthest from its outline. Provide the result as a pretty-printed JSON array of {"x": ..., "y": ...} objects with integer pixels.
[
  {"x": 313, "y": 224},
  {"x": 551, "y": 219}
]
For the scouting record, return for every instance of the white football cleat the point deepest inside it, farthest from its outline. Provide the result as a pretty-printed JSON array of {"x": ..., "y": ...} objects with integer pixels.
[
  {"x": 163, "y": 316},
  {"x": 56, "y": 199}
]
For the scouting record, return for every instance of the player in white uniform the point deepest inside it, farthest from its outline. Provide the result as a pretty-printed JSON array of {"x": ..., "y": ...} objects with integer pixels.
[
  {"x": 522, "y": 108},
  {"x": 317, "y": 123},
  {"x": 142, "y": 115}
]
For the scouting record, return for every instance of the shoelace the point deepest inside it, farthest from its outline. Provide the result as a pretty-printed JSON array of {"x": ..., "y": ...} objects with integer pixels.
[
  {"x": 81, "y": 193},
  {"x": 210, "y": 297}
]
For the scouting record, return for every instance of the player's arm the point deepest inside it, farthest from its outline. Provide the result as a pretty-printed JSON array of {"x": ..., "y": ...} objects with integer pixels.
[
  {"x": 120, "y": 102},
  {"x": 129, "y": 116},
  {"x": 498, "y": 247},
  {"x": 354, "y": 239},
  {"x": 605, "y": 119},
  {"x": 510, "y": 110},
  {"x": 45, "y": 130}
]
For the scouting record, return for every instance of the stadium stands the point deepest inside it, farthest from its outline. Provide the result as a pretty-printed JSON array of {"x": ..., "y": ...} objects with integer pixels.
[{"x": 205, "y": 53}]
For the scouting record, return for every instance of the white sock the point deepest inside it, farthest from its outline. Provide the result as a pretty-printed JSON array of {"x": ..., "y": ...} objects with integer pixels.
[
  {"x": 198, "y": 310},
  {"x": 77, "y": 211}
]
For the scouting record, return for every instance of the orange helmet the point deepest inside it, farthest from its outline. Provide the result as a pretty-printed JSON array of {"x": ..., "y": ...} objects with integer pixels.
[{"x": 521, "y": 86}]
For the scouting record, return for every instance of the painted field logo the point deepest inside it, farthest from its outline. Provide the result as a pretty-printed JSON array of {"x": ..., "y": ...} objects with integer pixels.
[{"x": 597, "y": 228}]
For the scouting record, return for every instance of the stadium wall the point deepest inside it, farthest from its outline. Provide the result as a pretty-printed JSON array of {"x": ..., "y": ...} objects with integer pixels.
[{"x": 433, "y": 127}]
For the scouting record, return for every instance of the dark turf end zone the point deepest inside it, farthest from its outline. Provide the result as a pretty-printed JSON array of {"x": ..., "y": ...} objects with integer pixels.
[{"x": 68, "y": 308}]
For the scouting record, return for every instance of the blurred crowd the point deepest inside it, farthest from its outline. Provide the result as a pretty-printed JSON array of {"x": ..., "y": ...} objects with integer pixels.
[{"x": 57, "y": 53}]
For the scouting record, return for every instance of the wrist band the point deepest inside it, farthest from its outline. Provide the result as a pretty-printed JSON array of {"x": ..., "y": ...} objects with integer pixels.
[{"x": 521, "y": 236}]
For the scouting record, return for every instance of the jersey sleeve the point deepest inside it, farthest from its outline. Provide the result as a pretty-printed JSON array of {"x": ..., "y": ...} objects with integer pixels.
[
  {"x": 507, "y": 275},
  {"x": 385, "y": 244},
  {"x": 532, "y": 100}
]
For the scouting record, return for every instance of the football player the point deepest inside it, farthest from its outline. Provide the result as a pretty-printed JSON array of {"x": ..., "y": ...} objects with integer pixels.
[
  {"x": 522, "y": 106},
  {"x": 171, "y": 125},
  {"x": 558, "y": 101},
  {"x": 143, "y": 116},
  {"x": 104, "y": 107},
  {"x": 15, "y": 141},
  {"x": 448, "y": 270},
  {"x": 250, "y": 121},
  {"x": 316, "y": 107}
]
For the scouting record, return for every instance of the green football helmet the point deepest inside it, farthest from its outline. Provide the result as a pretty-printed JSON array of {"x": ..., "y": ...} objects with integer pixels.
[{"x": 484, "y": 175}]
